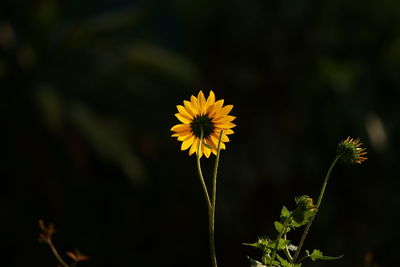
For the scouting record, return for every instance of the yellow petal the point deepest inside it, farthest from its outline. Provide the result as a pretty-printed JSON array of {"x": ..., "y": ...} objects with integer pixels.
[
  {"x": 226, "y": 118},
  {"x": 184, "y": 133},
  {"x": 182, "y": 110},
  {"x": 207, "y": 152},
  {"x": 225, "y": 110},
  {"x": 184, "y": 137},
  {"x": 215, "y": 151},
  {"x": 215, "y": 139},
  {"x": 209, "y": 142},
  {"x": 193, "y": 148},
  {"x": 210, "y": 102},
  {"x": 224, "y": 125},
  {"x": 180, "y": 128},
  {"x": 182, "y": 119},
  {"x": 217, "y": 107},
  {"x": 189, "y": 108},
  {"x": 202, "y": 102},
  {"x": 223, "y": 139},
  {"x": 228, "y": 132},
  {"x": 187, "y": 143},
  {"x": 222, "y": 146},
  {"x": 195, "y": 104}
]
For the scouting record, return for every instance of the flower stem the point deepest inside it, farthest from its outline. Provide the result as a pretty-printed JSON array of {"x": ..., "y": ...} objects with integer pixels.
[
  {"x": 321, "y": 195},
  {"x": 212, "y": 210},
  {"x": 203, "y": 184},
  {"x": 279, "y": 238}
]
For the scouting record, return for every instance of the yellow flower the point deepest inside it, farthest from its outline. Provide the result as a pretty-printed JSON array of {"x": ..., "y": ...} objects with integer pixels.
[
  {"x": 203, "y": 117},
  {"x": 350, "y": 151}
]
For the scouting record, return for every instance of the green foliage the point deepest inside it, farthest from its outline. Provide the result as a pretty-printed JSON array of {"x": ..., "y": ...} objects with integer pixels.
[
  {"x": 285, "y": 213},
  {"x": 289, "y": 220},
  {"x": 263, "y": 244},
  {"x": 266, "y": 245},
  {"x": 266, "y": 259},
  {"x": 285, "y": 263},
  {"x": 282, "y": 243},
  {"x": 301, "y": 217},
  {"x": 318, "y": 255},
  {"x": 304, "y": 211},
  {"x": 279, "y": 227},
  {"x": 254, "y": 263}
]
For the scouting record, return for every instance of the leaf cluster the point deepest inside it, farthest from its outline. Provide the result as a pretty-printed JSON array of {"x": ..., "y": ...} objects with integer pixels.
[{"x": 288, "y": 220}]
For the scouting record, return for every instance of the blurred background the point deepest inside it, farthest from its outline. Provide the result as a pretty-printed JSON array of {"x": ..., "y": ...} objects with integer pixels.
[{"x": 88, "y": 96}]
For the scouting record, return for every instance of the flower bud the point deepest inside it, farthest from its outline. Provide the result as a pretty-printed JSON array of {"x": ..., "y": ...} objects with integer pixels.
[
  {"x": 306, "y": 203},
  {"x": 350, "y": 151},
  {"x": 305, "y": 210}
]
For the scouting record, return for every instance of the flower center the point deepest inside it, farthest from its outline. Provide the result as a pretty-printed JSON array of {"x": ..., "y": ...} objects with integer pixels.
[{"x": 202, "y": 122}]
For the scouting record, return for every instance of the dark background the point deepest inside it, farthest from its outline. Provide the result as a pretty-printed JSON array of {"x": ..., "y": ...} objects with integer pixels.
[{"x": 88, "y": 95}]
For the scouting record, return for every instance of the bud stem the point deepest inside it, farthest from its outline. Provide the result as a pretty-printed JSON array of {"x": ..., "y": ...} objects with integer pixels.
[
  {"x": 212, "y": 210},
  {"x": 321, "y": 195}
]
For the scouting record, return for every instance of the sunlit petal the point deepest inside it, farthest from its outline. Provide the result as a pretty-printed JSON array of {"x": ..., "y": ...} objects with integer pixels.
[
  {"x": 202, "y": 102},
  {"x": 180, "y": 128},
  {"x": 187, "y": 143},
  {"x": 189, "y": 108},
  {"x": 182, "y": 110},
  {"x": 210, "y": 102},
  {"x": 182, "y": 118}
]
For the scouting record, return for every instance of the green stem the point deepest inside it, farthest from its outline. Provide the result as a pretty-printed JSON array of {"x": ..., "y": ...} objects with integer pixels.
[
  {"x": 286, "y": 250},
  {"x": 279, "y": 238},
  {"x": 212, "y": 210},
  {"x": 305, "y": 257},
  {"x": 203, "y": 184},
  {"x": 321, "y": 195}
]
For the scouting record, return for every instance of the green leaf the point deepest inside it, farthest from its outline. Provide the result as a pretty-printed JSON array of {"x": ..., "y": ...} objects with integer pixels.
[
  {"x": 301, "y": 217},
  {"x": 263, "y": 243},
  {"x": 281, "y": 245},
  {"x": 318, "y": 255},
  {"x": 285, "y": 213},
  {"x": 267, "y": 259},
  {"x": 279, "y": 227},
  {"x": 284, "y": 262},
  {"x": 250, "y": 244},
  {"x": 254, "y": 263}
]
